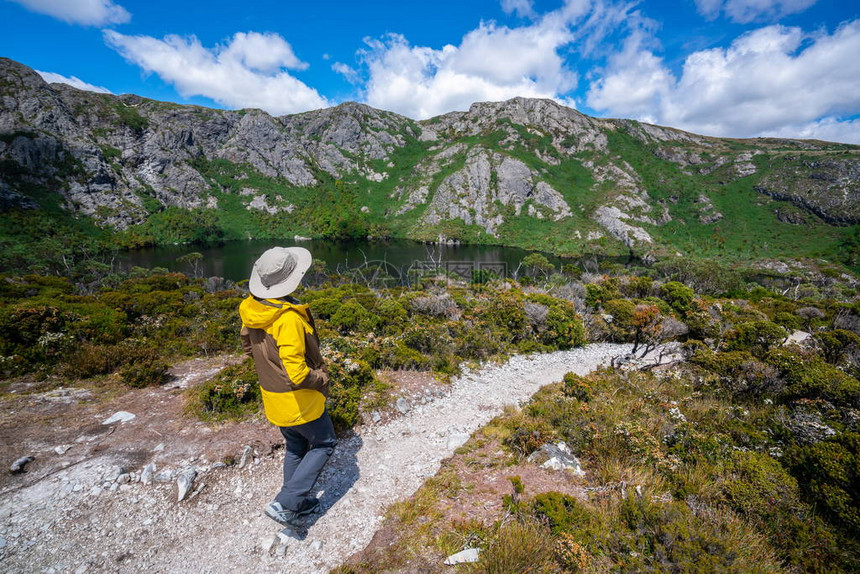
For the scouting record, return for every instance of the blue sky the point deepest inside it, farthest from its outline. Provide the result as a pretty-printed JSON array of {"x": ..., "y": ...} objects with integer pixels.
[{"x": 737, "y": 68}]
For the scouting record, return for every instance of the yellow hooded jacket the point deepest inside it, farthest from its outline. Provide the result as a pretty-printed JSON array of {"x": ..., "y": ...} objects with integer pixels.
[{"x": 281, "y": 337}]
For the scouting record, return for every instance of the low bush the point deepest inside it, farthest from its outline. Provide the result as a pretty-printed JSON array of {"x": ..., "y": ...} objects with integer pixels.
[
  {"x": 809, "y": 376},
  {"x": 576, "y": 387},
  {"x": 678, "y": 295},
  {"x": 757, "y": 337},
  {"x": 829, "y": 473},
  {"x": 654, "y": 536},
  {"x": 351, "y": 316},
  {"x": 763, "y": 491},
  {"x": 347, "y": 381},
  {"x": 740, "y": 373},
  {"x": 561, "y": 512},
  {"x": 232, "y": 394},
  {"x": 146, "y": 373}
]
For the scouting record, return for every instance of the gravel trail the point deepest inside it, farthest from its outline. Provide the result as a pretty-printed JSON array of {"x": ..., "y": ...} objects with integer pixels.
[{"x": 51, "y": 527}]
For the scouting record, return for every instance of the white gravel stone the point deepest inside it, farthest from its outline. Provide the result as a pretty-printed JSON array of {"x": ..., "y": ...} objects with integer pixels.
[
  {"x": 402, "y": 405},
  {"x": 184, "y": 482},
  {"x": 245, "y": 454},
  {"x": 268, "y": 542},
  {"x": 118, "y": 417},
  {"x": 463, "y": 557},
  {"x": 146, "y": 473}
]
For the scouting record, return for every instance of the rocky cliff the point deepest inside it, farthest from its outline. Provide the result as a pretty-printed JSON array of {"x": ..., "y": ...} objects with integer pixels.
[{"x": 528, "y": 172}]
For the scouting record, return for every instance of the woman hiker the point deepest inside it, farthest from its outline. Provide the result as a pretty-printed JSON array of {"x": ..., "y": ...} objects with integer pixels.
[{"x": 279, "y": 333}]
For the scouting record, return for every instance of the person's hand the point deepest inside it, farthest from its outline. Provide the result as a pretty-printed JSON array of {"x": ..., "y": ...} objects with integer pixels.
[{"x": 318, "y": 379}]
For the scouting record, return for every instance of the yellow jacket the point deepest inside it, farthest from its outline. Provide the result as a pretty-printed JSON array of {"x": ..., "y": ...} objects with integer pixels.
[{"x": 281, "y": 337}]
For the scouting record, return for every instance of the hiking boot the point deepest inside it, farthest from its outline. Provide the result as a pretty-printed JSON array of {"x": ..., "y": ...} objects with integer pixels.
[{"x": 282, "y": 515}]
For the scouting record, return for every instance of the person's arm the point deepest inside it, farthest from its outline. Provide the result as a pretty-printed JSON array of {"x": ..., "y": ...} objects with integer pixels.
[
  {"x": 290, "y": 338},
  {"x": 245, "y": 337}
]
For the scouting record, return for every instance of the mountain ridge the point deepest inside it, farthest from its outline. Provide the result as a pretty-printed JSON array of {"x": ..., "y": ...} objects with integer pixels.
[{"x": 527, "y": 172}]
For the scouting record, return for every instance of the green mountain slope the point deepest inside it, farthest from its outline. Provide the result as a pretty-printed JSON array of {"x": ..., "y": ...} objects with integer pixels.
[{"x": 529, "y": 173}]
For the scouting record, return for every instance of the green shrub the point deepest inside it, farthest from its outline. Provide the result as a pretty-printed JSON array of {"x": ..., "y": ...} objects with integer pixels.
[
  {"x": 764, "y": 492},
  {"x": 678, "y": 295},
  {"x": 757, "y": 337},
  {"x": 347, "y": 380},
  {"x": 146, "y": 373},
  {"x": 701, "y": 320},
  {"x": 430, "y": 339},
  {"x": 390, "y": 353},
  {"x": 325, "y": 307},
  {"x": 637, "y": 287},
  {"x": 809, "y": 376},
  {"x": 668, "y": 537},
  {"x": 564, "y": 328},
  {"x": 231, "y": 395},
  {"x": 35, "y": 333},
  {"x": 89, "y": 360},
  {"x": 352, "y": 316},
  {"x": 505, "y": 310},
  {"x": 98, "y": 323},
  {"x": 829, "y": 473},
  {"x": 621, "y": 325},
  {"x": 476, "y": 341},
  {"x": 576, "y": 387},
  {"x": 837, "y": 344},
  {"x": 788, "y": 320},
  {"x": 607, "y": 289},
  {"x": 758, "y": 485},
  {"x": 740, "y": 373},
  {"x": 393, "y": 316},
  {"x": 561, "y": 512}
]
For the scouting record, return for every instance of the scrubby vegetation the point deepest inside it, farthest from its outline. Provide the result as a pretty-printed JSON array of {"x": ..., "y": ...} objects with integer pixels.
[
  {"x": 130, "y": 328},
  {"x": 52, "y": 328},
  {"x": 740, "y": 455}
]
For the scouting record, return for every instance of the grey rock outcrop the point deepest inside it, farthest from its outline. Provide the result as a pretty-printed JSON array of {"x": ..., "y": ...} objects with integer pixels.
[
  {"x": 104, "y": 154},
  {"x": 488, "y": 180},
  {"x": 557, "y": 457},
  {"x": 121, "y": 159},
  {"x": 826, "y": 187}
]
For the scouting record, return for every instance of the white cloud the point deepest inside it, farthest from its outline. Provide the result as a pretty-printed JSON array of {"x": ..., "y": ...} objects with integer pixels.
[
  {"x": 827, "y": 129},
  {"x": 247, "y": 71},
  {"x": 745, "y": 11},
  {"x": 767, "y": 80},
  {"x": 491, "y": 62},
  {"x": 638, "y": 80},
  {"x": 350, "y": 74},
  {"x": 522, "y": 8},
  {"x": 74, "y": 81},
  {"x": 265, "y": 53},
  {"x": 85, "y": 12}
]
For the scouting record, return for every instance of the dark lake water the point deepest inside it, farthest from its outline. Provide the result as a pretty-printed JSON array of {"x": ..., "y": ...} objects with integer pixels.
[{"x": 233, "y": 260}]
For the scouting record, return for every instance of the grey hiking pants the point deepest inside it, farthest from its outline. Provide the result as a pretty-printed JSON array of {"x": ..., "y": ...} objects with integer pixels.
[{"x": 308, "y": 447}]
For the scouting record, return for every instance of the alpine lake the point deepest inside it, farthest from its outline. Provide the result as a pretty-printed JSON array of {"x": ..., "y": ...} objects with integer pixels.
[{"x": 397, "y": 260}]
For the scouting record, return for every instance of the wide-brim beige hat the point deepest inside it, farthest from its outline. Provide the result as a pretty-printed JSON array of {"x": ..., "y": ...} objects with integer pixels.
[{"x": 279, "y": 271}]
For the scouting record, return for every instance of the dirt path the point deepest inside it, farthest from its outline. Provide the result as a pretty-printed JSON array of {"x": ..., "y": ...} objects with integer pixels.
[{"x": 82, "y": 518}]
